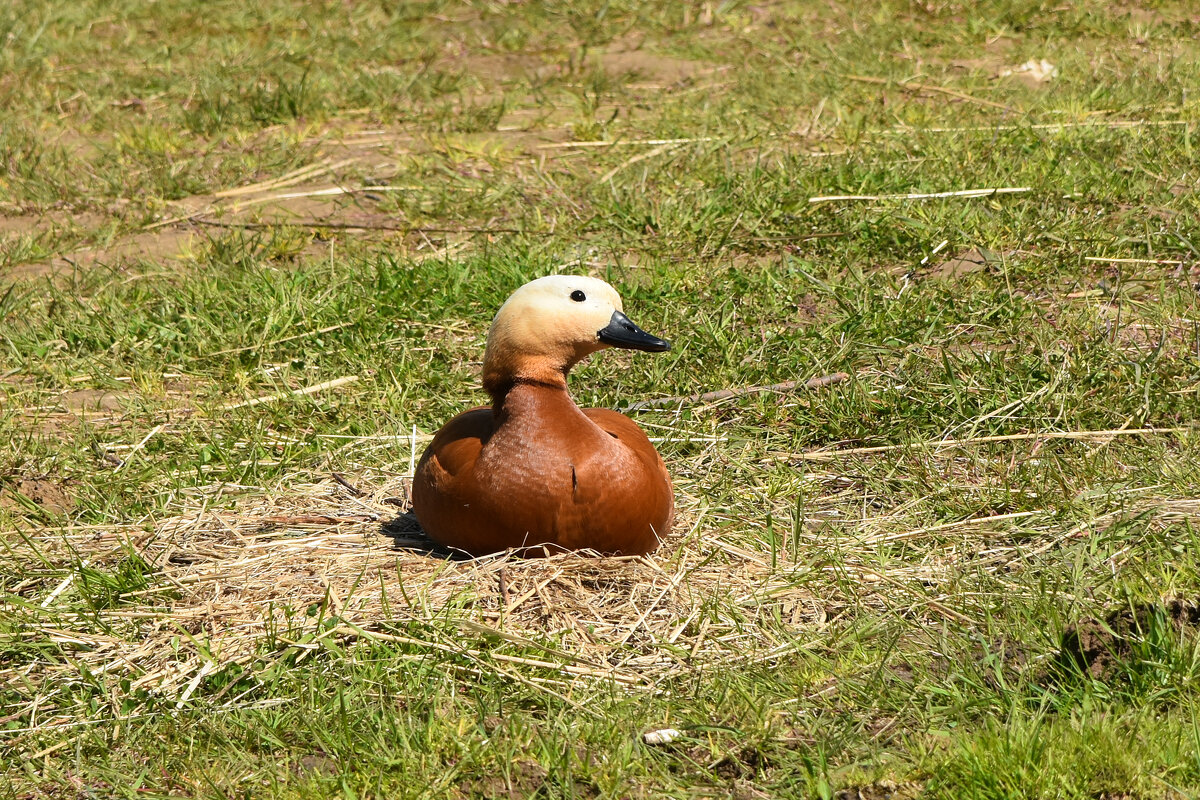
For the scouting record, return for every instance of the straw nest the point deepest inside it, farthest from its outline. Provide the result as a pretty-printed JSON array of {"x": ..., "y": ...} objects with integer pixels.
[{"x": 333, "y": 562}]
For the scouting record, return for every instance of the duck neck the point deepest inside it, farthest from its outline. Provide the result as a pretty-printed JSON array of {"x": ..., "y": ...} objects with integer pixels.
[
  {"x": 511, "y": 395},
  {"x": 504, "y": 371}
]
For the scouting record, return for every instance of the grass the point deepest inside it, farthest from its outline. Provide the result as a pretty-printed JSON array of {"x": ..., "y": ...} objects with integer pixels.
[{"x": 873, "y": 582}]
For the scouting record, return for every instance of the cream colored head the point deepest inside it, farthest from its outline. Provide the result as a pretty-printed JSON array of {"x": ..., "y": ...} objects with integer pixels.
[{"x": 550, "y": 324}]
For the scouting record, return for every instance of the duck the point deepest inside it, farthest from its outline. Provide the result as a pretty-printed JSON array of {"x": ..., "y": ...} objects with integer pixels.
[{"x": 533, "y": 473}]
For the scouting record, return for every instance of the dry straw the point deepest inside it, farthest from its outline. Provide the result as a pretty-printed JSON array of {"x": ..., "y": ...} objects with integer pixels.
[{"x": 335, "y": 562}]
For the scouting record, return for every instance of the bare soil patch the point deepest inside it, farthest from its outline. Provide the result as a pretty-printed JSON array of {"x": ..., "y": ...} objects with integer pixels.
[
  {"x": 628, "y": 55},
  {"x": 83, "y": 402},
  {"x": 965, "y": 263},
  {"x": 332, "y": 191},
  {"x": 883, "y": 790},
  {"x": 24, "y": 223},
  {"x": 651, "y": 66},
  {"x": 525, "y": 780},
  {"x": 49, "y": 494},
  {"x": 1098, "y": 647},
  {"x": 623, "y": 56},
  {"x": 505, "y": 66},
  {"x": 163, "y": 245},
  {"x": 304, "y": 195}
]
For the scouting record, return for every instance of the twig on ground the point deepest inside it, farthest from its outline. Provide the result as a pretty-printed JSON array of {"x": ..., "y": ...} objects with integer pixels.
[
  {"x": 349, "y": 226},
  {"x": 312, "y": 519},
  {"x": 821, "y": 455},
  {"x": 926, "y": 196},
  {"x": 640, "y": 157},
  {"x": 274, "y": 342},
  {"x": 802, "y": 237},
  {"x": 289, "y": 179},
  {"x": 62, "y": 587},
  {"x": 624, "y": 142},
  {"x": 354, "y": 490},
  {"x": 502, "y": 578},
  {"x": 134, "y": 450},
  {"x": 270, "y": 398},
  {"x": 332, "y": 191},
  {"x": 1166, "y": 261},
  {"x": 924, "y": 88},
  {"x": 905, "y": 535},
  {"x": 725, "y": 394},
  {"x": 1045, "y": 126}
]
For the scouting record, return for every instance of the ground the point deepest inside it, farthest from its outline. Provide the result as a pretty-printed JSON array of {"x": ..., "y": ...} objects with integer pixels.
[{"x": 248, "y": 256}]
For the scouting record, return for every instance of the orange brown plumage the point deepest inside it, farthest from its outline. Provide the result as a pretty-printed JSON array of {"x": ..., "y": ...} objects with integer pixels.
[{"x": 534, "y": 472}]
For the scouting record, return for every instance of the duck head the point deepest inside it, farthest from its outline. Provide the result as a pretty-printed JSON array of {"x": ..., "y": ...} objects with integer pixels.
[{"x": 550, "y": 324}]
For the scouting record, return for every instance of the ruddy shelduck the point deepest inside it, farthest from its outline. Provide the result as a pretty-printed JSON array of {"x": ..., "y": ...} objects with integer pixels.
[{"x": 534, "y": 472}]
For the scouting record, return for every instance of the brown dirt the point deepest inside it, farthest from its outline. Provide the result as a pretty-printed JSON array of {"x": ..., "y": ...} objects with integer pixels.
[
  {"x": 526, "y": 780},
  {"x": 317, "y": 763},
  {"x": 53, "y": 218},
  {"x": 623, "y": 56},
  {"x": 166, "y": 244},
  {"x": 1098, "y": 647},
  {"x": 505, "y": 65},
  {"x": 346, "y": 160},
  {"x": 48, "y": 494},
  {"x": 92, "y": 401},
  {"x": 157, "y": 245},
  {"x": 743, "y": 764},
  {"x": 745, "y": 790},
  {"x": 883, "y": 790},
  {"x": 651, "y": 66},
  {"x": 966, "y": 263},
  {"x": 58, "y": 426},
  {"x": 992, "y": 57}
]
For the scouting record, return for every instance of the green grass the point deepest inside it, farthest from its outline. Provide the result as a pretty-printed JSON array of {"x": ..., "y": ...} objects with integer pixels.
[{"x": 941, "y": 678}]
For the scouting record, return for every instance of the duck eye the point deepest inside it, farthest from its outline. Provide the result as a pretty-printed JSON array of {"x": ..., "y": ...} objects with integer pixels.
[{"x": 578, "y": 296}]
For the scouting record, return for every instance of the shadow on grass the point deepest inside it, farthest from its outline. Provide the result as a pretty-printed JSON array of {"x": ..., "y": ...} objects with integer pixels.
[{"x": 406, "y": 534}]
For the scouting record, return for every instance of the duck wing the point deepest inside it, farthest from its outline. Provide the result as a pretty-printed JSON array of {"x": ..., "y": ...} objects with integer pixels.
[
  {"x": 455, "y": 448},
  {"x": 445, "y": 482}
]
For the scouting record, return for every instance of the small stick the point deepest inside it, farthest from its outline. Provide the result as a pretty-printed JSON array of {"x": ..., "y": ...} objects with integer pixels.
[
  {"x": 290, "y": 179},
  {"x": 503, "y": 578},
  {"x": 624, "y": 142},
  {"x": 412, "y": 453},
  {"x": 639, "y": 157},
  {"x": 804, "y": 237},
  {"x": 919, "y": 196},
  {"x": 62, "y": 587},
  {"x": 1045, "y": 126},
  {"x": 354, "y": 490},
  {"x": 53, "y": 747},
  {"x": 962, "y": 523},
  {"x": 329, "y": 192},
  {"x": 205, "y": 668},
  {"x": 280, "y": 341},
  {"x": 311, "y": 519},
  {"x": 348, "y": 226},
  {"x": 820, "y": 455},
  {"x": 139, "y": 446},
  {"x": 917, "y": 88},
  {"x": 1166, "y": 261},
  {"x": 270, "y": 398},
  {"x": 725, "y": 394}
]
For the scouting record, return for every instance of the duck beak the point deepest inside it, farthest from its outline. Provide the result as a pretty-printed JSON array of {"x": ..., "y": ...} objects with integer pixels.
[{"x": 621, "y": 332}]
